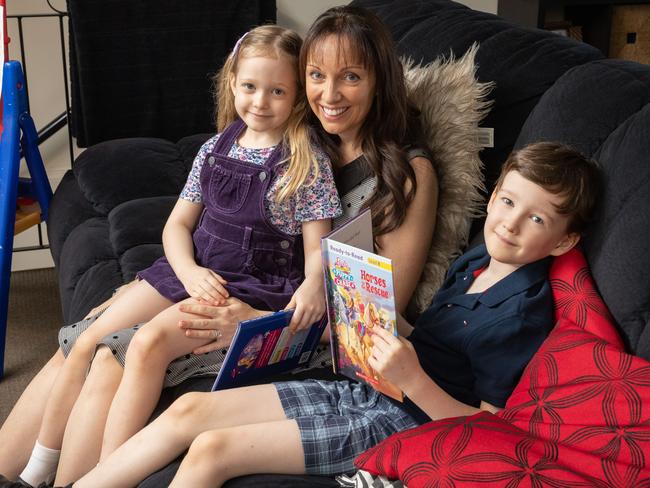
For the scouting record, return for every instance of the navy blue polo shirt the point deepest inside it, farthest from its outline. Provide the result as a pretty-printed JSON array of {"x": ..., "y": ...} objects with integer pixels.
[{"x": 475, "y": 346}]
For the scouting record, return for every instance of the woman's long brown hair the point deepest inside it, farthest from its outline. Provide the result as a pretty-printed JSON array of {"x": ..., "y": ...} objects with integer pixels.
[{"x": 391, "y": 123}]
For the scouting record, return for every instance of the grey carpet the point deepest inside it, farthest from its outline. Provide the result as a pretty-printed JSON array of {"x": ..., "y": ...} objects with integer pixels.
[{"x": 33, "y": 322}]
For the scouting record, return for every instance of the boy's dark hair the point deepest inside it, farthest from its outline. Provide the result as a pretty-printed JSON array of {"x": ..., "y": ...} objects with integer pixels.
[{"x": 560, "y": 170}]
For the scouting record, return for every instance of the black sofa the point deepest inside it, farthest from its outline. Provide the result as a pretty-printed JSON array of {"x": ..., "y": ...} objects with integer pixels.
[{"x": 107, "y": 214}]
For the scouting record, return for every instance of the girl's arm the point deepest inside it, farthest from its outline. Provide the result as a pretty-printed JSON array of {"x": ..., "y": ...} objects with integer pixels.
[
  {"x": 408, "y": 245},
  {"x": 395, "y": 359},
  {"x": 199, "y": 282},
  {"x": 309, "y": 298}
]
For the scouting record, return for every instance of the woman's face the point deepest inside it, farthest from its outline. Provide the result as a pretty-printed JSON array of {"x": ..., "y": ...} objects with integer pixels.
[{"x": 340, "y": 90}]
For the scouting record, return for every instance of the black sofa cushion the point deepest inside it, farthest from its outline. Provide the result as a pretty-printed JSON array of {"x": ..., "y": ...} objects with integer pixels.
[
  {"x": 603, "y": 109},
  {"x": 522, "y": 62}
]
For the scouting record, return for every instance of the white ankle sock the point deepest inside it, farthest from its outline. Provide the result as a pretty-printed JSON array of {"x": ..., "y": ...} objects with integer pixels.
[{"x": 41, "y": 466}]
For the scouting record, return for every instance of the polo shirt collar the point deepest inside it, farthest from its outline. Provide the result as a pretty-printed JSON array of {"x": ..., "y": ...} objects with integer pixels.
[{"x": 516, "y": 282}]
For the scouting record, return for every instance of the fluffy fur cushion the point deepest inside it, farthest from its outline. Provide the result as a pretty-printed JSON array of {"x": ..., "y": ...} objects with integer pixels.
[
  {"x": 576, "y": 418},
  {"x": 452, "y": 103}
]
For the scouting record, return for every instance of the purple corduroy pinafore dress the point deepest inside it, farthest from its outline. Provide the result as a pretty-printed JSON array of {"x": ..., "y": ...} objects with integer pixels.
[{"x": 262, "y": 265}]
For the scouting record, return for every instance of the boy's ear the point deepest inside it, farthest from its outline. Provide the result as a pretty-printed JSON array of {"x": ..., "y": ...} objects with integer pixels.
[
  {"x": 491, "y": 200},
  {"x": 567, "y": 243}
]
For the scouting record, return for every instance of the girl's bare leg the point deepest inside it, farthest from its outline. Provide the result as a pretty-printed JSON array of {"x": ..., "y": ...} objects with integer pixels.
[
  {"x": 153, "y": 347},
  {"x": 138, "y": 304},
  {"x": 82, "y": 441},
  {"x": 20, "y": 429},
  {"x": 219, "y": 455},
  {"x": 174, "y": 430}
]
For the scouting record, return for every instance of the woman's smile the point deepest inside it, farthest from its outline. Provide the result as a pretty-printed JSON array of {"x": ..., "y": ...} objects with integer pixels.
[{"x": 340, "y": 89}]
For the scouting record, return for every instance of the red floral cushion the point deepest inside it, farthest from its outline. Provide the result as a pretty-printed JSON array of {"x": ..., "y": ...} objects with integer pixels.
[{"x": 580, "y": 416}]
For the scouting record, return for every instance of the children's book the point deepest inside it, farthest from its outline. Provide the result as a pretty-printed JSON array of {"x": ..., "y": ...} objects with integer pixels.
[
  {"x": 360, "y": 296},
  {"x": 264, "y": 346}
]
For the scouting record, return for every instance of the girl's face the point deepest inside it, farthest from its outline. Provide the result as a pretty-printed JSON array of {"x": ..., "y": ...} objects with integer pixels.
[
  {"x": 340, "y": 90},
  {"x": 265, "y": 91}
]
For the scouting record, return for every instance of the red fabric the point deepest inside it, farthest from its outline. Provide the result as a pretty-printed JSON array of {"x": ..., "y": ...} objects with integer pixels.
[{"x": 580, "y": 416}]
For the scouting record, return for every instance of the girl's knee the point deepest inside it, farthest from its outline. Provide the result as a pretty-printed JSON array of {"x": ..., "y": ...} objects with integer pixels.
[{"x": 148, "y": 343}]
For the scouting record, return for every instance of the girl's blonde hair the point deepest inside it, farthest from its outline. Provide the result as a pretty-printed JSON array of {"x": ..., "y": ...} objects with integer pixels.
[{"x": 272, "y": 41}]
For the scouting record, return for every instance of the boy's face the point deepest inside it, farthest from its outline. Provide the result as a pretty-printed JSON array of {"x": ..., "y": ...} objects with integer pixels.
[{"x": 523, "y": 225}]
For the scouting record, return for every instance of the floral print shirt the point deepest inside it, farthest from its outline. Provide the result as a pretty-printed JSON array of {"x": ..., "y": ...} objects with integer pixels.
[{"x": 317, "y": 201}]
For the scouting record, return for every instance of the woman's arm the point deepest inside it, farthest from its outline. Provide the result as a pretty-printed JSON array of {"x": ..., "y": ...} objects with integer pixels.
[
  {"x": 408, "y": 245},
  {"x": 216, "y": 322},
  {"x": 199, "y": 282}
]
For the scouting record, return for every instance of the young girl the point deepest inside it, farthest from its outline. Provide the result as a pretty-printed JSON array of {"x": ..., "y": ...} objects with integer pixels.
[{"x": 235, "y": 231}]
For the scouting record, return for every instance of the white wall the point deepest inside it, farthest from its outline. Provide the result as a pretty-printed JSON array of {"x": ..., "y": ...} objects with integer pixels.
[{"x": 299, "y": 14}]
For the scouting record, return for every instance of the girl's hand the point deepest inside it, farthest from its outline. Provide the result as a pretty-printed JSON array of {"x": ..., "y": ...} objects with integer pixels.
[
  {"x": 215, "y": 322},
  {"x": 204, "y": 284},
  {"x": 394, "y": 358},
  {"x": 309, "y": 304}
]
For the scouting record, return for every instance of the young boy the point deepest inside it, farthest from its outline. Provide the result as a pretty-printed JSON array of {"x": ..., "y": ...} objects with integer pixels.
[{"x": 465, "y": 353}]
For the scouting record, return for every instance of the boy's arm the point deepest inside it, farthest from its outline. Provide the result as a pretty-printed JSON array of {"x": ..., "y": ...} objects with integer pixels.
[{"x": 395, "y": 359}]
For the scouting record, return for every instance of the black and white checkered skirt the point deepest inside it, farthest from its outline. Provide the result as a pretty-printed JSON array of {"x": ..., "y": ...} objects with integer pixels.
[{"x": 180, "y": 369}]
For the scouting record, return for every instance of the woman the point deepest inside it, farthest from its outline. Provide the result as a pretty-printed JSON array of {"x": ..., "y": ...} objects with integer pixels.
[{"x": 357, "y": 94}]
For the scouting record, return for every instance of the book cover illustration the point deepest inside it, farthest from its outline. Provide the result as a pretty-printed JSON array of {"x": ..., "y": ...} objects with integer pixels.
[
  {"x": 360, "y": 297},
  {"x": 264, "y": 346}
]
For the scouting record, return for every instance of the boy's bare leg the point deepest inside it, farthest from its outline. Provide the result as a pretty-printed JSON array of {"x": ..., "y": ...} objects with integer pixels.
[
  {"x": 138, "y": 304},
  {"x": 153, "y": 347},
  {"x": 82, "y": 441},
  {"x": 20, "y": 429},
  {"x": 219, "y": 455},
  {"x": 174, "y": 430}
]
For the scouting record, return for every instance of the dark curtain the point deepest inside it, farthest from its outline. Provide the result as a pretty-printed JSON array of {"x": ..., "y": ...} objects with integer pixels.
[{"x": 143, "y": 68}]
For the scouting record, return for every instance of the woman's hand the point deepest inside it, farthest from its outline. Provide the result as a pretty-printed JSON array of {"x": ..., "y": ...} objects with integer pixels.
[
  {"x": 394, "y": 358},
  {"x": 204, "y": 284},
  {"x": 216, "y": 322},
  {"x": 309, "y": 304}
]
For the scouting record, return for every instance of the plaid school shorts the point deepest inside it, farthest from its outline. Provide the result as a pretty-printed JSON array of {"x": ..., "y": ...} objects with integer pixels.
[{"x": 338, "y": 420}]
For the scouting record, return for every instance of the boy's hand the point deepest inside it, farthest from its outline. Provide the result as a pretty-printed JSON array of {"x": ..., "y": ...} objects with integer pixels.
[
  {"x": 392, "y": 357},
  {"x": 204, "y": 284},
  {"x": 309, "y": 304}
]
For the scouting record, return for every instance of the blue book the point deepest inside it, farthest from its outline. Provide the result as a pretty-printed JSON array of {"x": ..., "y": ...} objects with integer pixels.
[{"x": 264, "y": 346}]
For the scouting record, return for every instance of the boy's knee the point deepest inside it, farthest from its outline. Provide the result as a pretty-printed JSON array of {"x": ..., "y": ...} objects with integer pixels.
[
  {"x": 208, "y": 443},
  {"x": 186, "y": 406}
]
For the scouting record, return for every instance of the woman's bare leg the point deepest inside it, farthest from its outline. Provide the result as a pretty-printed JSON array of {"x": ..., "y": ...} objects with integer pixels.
[
  {"x": 153, "y": 347},
  {"x": 174, "y": 430},
  {"x": 20, "y": 429},
  {"x": 82, "y": 441},
  {"x": 138, "y": 304},
  {"x": 219, "y": 455}
]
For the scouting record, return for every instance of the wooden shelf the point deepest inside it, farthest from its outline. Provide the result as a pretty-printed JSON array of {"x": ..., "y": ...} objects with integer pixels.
[
  {"x": 593, "y": 16},
  {"x": 25, "y": 220}
]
